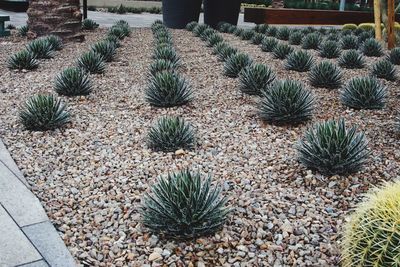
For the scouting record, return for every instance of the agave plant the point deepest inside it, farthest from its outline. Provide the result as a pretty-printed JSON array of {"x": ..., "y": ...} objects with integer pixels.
[
  {"x": 329, "y": 49},
  {"x": 247, "y": 35},
  {"x": 224, "y": 51},
  {"x": 184, "y": 206},
  {"x": 73, "y": 82},
  {"x": 191, "y": 25},
  {"x": 364, "y": 93},
  {"x": 199, "y": 29},
  {"x": 372, "y": 48},
  {"x": 113, "y": 39},
  {"x": 238, "y": 31},
  {"x": 255, "y": 79},
  {"x": 235, "y": 63},
  {"x": 286, "y": 102},
  {"x": 363, "y": 36},
  {"x": 22, "y": 60},
  {"x": 232, "y": 29},
  {"x": 171, "y": 134},
  {"x": 311, "y": 41},
  {"x": 124, "y": 27},
  {"x": 161, "y": 65},
  {"x": 167, "y": 53},
  {"x": 55, "y": 41},
  {"x": 214, "y": 39},
  {"x": 43, "y": 112},
  {"x": 23, "y": 31},
  {"x": 349, "y": 42},
  {"x": 223, "y": 27},
  {"x": 326, "y": 75},
  {"x": 106, "y": 49},
  {"x": 333, "y": 37},
  {"x": 351, "y": 59},
  {"x": 268, "y": 44},
  {"x": 207, "y": 33},
  {"x": 384, "y": 69},
  {"x": 283, "y": 33},
  {"x": 92, "y": 62},
  {"x": 261, "y": 28},
  {"x": 295, "y": 38},
  {"x": 333, "y": 149},
  {"x": 394, "y": 56},
  {"x": 257, "y": 38},
  {"x": 272, "y": 31},
  {"x": 41, "y": 48},
  {"x": 89, "y": 25},
  {"x": 117, "y": 32},
  {"x": 281, "y": 50},
  {"x": 168, "y": 89},
  {"x": 300, "y": 61}
]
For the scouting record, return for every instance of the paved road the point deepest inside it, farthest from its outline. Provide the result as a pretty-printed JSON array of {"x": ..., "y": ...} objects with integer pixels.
[{"x": 107, "y": 19}]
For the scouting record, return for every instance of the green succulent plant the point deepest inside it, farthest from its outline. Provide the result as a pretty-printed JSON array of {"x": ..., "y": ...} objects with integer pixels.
[
  {"x": 286, "y": 102},
  {"x": 167, "y": 53},
  {"x": 281, "y": 50},
  {"x": 184, "y": 206},
  {"x": 22, "y": 60},
  {"x": 394, "y": 56},
  {"x": 295, "y": 38},
  {"x": 168, "y": 89},
  {"x": 55, "y": 41},
  {"x": 333, "y": 37},
  {"x": 23, "y": 30},
  {"x": 257, "y": 38},
  {"x": 223, "y": 27},
  {"x": 363, "y": 36},
  {"x": 255, "y": 78},
  {"x": 272, "y": 31},
  {"x": 170, "y": 134},
  {"x": 214, "y": 39},
  {"x": 92, "y": 62},
  {"x": 364, "y": 93},
  {"x": 351, "y": 59},
  {"x": 232, "y": 29},
  {"x": 349, "y": 42},
  {"x": 191, "y": 25},
  {"x": 113, "y": 39},
  {"x": 247, "y": 34},
  {"x": 384, "y": 69},
  {"x": 117, "y": 32},
  {"x": 224, "y": 51},
  {"x": 89, "y": 25},
  {"x": 372, "y": 48},
  {"x": 106, "y": 49},
  {"x": 238, "y": 31},
  {"x": 161, "y": 65},
  {"x": 329, "y": 49},
  {"x": 261, "y": 28},
  {"x": 73, "y": 82},
  {"x": 332, "y": 149},
  {"x": 268, "y": 44},
  {"x": 326, "y": 75},
  {"x": 372, "y": 234},
  {"x": 199, "y": 29},
  {"x": 283, "y": 33},
  {"x": 311, "y": 41},
  {"x": 300, "y": 61},
  {"x": 207, "y": 33},
  {"x": 41, "y": 48},
  {"x": 235, "y": 63},
  {"x": 43, "y": 112}
]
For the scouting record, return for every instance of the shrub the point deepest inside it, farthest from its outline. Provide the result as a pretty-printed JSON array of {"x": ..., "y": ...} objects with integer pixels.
[
  {"x": 349, "y": 26},
  {"x": 73, "y": 82},
  {"x": 117, "y": 32},
  {"x": 238, "y": 31},
  {"x": 89, "y": 24},
  {"x": 394, "y": 56},
  {"x": 214, "y": 39},
  {"x": 232, "y": 29},
  {"x": 326, "y": 75},
  {"x": 235, "y": 63},
  {"x": 329, "y": 49},
  {"x": 184, "y": 206},
  {"x": 349, "y": 42},
  {"x": 161, "y": 65},
  {"x": 257, "y": 38},
  {"x": 168, "y": 89},
  {"x": 167, "y": 53},
  {"x": 92, "y": 62},
  {"x": 384, "y": 69},
  {"x": 23, "y": 31},
  {"x": 299, "y": 61},
  {"x": 223, "y": 26},
  {"x": 351, "y": 59},
  {"x": 283, "y": 33},
  {"x": 247, "y": 35},
  {"x": 55, "y": 41},
  {"x": 333, "y": 37},
  {"x": 286, "y": 102},
  {"x": 268, "y": 44},
  {"x": 262, "y": 28},
  {"x": 255, "y": 78},
  {"x": 372, "y": 48},
  {"x": 295, "y": 38},
  {"x": 105, "y": 49},
  {"x": 311, "y": 41},
  {"x": 43, "y": 112},
  {"x": 113, "y": 39},
  {"x": 272, "y": 31},
  {"x": 367, "y": 26},
  {"x": 364, "y": 93},
  {"x": 191, "y": 25},
  {"x": 170, "y": 134},
  {"x": 22, "y": 60},
  {"x": 199, "y": 29},
  {"x": 364, "y": 36},
  {"x": 281, "y": 50},
  {"x": 124, "y": 26},
  {"x": 372, "y": 234},
  {"x": 41, "y": 48},
  {"x": 332, "y": 149},
  {"x": 207, "y": 33},
  {"x": 224, "y": 51}
]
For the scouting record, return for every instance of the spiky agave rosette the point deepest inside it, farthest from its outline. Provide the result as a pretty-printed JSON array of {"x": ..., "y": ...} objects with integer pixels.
[{"x": 372, "y": 236}]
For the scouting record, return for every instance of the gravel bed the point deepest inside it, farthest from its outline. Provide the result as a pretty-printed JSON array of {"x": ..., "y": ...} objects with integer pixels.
[{"x": 91, "y": 175}]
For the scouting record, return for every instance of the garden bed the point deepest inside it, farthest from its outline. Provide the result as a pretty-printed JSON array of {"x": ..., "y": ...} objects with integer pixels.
[{"x": 91, "y": 175}]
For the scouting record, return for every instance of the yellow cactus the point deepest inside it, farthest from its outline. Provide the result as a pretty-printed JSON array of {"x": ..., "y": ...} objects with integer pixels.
[
  {"x": 349, "y": 26},
  {"x": 372, "y": 237}
]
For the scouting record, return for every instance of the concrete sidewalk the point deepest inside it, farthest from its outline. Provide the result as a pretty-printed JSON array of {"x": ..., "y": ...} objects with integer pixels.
[
  {"x": 107, "y": 19},
  {"x": 27, "y": 237}
]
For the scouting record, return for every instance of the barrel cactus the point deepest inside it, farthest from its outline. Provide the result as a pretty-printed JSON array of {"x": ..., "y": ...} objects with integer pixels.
[{"x": 372, "y": 236}]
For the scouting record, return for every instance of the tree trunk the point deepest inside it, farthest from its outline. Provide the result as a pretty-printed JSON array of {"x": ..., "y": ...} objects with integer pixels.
[
  {"x": 277, "y": 4},
  {"x": 58, "y": 17}
]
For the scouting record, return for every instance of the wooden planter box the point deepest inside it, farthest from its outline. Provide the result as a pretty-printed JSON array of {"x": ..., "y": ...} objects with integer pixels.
[{"x": 306, "y": 16}]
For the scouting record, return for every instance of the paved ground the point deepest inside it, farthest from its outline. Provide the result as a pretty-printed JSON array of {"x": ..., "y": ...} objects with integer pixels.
[{"x": 107, "y": 19}]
